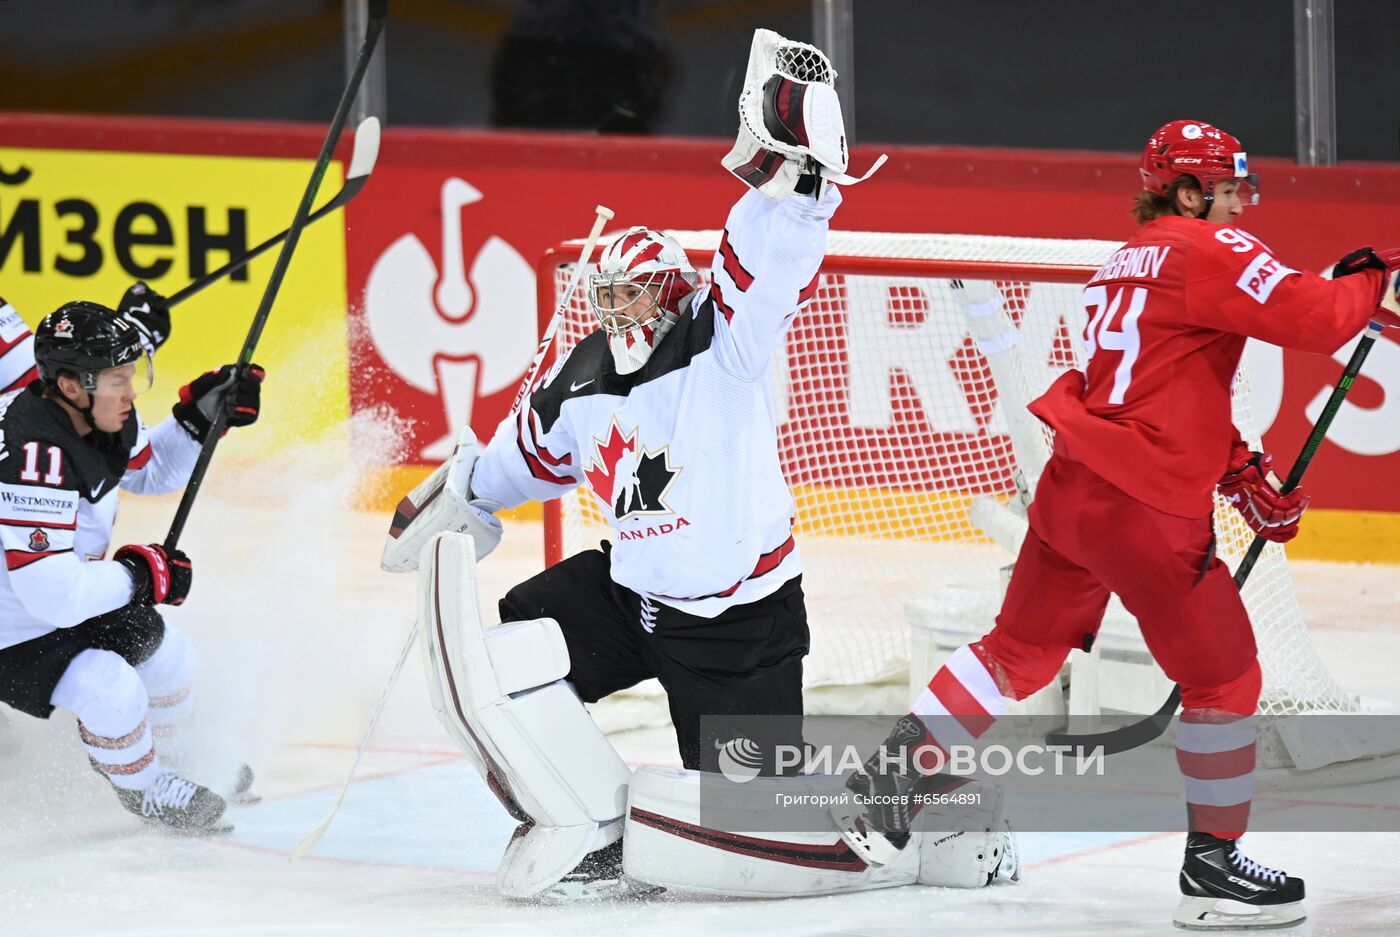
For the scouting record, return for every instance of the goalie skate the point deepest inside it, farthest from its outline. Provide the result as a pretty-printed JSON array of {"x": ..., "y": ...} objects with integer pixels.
[
  {"x": 599, "y": 876},
  {"x": 874, "y": 821},
  {"x": 1222, "y": 888}
]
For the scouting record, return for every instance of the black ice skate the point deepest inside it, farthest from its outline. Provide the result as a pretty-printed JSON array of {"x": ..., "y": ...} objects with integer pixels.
[
  {"x": 1222, "y": 888},
  {"x": 177, "y": 805}
]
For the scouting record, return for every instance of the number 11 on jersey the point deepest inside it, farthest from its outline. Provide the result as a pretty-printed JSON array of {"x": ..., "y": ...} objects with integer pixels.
[
  {"x": 1100, "y": 332},
  {"x": 30, "y": 472}
]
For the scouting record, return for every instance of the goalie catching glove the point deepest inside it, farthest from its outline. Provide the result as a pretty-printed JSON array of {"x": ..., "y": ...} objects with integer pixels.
[
  {"x": 1268, "y": 513},
  {"x": 790, "y": 125},
  {"x": 442, "y": 502}
]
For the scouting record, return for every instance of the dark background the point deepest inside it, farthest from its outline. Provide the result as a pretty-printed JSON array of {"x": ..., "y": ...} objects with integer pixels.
[{"x": 1073, "y": 74}]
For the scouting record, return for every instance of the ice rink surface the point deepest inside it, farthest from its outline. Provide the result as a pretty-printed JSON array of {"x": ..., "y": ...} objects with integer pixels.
[{"x": 298, "y": 632}]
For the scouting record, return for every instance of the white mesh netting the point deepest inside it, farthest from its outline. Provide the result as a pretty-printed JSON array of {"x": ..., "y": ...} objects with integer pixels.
[{"x": 891, "y": 423}]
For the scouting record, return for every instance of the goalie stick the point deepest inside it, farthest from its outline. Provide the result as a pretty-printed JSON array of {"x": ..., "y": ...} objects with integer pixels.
[
  {"x": 1140, "y": 733},
  {"x": 604, "y": 215},
  {"x": 378, "y": 12},
  {"x": 314, "y": 837},
  {"x": 362, "y": 161}
]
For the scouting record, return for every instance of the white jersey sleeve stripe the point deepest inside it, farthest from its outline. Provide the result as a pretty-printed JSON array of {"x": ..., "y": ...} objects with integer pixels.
[
  {"x": 534, "y": 461},
  {"x": 19, "y": 559},
  {"x": 764, "y": 270},
  {"x": 16, "y": 350},
  {"x": 17, "y": 365}
]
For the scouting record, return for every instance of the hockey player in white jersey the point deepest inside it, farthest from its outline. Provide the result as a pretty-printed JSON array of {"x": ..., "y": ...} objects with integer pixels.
[
  {"x": 665, "y": 414},
  {"x": 78, "y": 631}
]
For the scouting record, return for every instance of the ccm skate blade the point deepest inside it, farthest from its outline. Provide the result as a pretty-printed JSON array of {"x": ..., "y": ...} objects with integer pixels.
[{"x": 1195, "y": 913}]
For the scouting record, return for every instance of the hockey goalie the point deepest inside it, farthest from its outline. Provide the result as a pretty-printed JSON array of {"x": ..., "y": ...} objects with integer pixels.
[{"x": 666, "y": 414}]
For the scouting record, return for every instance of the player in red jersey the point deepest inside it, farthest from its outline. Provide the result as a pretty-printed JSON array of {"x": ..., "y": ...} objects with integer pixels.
[{"x": 1143, "y": 437}]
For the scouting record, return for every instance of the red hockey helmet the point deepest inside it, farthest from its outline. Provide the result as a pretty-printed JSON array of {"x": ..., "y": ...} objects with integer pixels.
[{"x": 1196, "y": 148}]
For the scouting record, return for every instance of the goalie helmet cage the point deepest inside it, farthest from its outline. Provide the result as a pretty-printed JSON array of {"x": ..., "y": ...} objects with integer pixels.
[{"x": 891, "y": 425}]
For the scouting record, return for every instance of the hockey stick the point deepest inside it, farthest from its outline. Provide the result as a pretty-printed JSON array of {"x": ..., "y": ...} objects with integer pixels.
[
  {"x": 1140, "y": 733},
  {"x": 378, "y": 11},
  {"x": 362, "y": 161},
  {"x": 604, "y": 216},
  {"x": 312, "y": 838}
]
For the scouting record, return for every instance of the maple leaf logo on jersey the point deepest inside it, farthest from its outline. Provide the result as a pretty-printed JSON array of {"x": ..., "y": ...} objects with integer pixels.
[
  {"x": 39, "y": 541},
  {"x": 629, "y": 478}
]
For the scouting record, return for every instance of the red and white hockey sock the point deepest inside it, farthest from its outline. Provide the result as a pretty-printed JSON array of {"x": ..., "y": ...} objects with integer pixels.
[
  {"x": 168, "y": 713},
  {"x": 1216, "y": 753},
  {"x": 168, "y": 675},
  {"x": 107, "y": 696},
  {"x": 129, "y": 761},
  {"x": 960, "y": 703},
  {"x": 1215, "y": 748}
]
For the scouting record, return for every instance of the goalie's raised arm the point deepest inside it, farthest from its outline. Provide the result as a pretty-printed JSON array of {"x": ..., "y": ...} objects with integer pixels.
[{"x": 765, "y": 270}]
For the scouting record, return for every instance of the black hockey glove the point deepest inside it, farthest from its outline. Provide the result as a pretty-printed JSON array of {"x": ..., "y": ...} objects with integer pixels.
[
  {"x": 146, "y": 309},
  {"x": 158, "y": 576},
  {"x": 236, "y": 387},
  {"x": 1363, "y": 258}
]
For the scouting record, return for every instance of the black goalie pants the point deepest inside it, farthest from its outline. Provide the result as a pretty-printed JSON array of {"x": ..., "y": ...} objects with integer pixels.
[{"x": 746, "y": 661}]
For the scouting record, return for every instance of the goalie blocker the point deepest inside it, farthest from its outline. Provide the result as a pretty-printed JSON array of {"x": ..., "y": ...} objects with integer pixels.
[
  {"x": 501, "y": 694},
  {"x": 442, "y": 502}
]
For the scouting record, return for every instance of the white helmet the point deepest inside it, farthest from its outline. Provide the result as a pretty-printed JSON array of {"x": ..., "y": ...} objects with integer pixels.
[{"x": 640, "y": 271}]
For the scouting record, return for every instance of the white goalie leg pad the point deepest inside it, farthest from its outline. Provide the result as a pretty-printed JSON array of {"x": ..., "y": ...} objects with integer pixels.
[
  {"x": 983, "y": 849},
  {"x": 667, "y": 844},
  {"x": 501, "y": 695},
  {"x": 442, "y": 502}
]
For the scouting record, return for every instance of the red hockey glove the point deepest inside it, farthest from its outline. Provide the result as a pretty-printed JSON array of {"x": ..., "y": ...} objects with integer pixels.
[
  {"x": 159, "y": 576},
  {"x": 236, "y": 386},
  {"x": 1269, "y": 514},
  {"x": 1386, "y": 261}
]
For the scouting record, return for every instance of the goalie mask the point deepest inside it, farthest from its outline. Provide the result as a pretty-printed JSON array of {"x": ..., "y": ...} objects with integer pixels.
[
  {"x": 1195, "y": 148},
  {"x": 642, "y": 282}
]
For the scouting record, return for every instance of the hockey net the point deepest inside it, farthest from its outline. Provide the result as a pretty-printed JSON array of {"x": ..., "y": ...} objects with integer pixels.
[{"x": 892, "y": 425}]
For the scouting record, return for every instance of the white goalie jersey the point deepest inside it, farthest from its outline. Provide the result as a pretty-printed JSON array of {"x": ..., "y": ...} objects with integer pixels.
[{"x": 682, "y": 456}]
